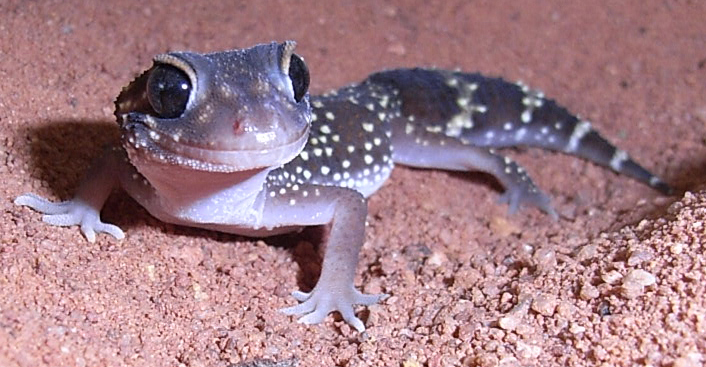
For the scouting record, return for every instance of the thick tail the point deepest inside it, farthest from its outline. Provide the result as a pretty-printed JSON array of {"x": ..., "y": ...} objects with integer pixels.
[
  {"x": 516, "y": 115},
  {"x": 491, "y": 112},
  {"x": 589, "y": 144}
]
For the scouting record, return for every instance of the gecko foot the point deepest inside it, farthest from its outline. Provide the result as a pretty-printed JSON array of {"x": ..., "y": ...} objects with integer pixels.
[
  {"x": 69, "y": 213},
  {"x": 317, "y": 304},
  {"x": 530, "y": 195}
]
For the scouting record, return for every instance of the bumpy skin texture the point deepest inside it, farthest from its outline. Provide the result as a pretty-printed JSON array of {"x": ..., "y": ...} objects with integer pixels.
[{"x": 229, "y": 141}]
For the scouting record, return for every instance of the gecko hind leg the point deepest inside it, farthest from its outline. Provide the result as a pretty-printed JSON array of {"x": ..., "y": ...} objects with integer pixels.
[{"x": 423, "y": 149}]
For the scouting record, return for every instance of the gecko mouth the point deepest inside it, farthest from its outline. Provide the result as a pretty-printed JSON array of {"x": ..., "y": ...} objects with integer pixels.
[{"x": 144, "y": 143}]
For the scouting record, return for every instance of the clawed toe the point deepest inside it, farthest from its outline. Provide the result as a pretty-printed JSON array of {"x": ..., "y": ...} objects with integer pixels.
[
  {"x": 532, "y": 197},
  {"x": 317, "y": 304},
  {"x": 70, "y": 213}
]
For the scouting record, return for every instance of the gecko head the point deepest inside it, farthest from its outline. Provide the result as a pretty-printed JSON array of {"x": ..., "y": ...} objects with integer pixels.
[{"x": 227, "y": 111}]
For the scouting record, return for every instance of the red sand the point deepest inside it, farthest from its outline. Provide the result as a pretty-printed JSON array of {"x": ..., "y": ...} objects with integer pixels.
[{"x": 470, "y": 285}]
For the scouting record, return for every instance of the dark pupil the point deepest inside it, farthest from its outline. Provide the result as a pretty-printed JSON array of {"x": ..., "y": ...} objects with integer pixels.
[
  {"x": 168, "y": 90},
  {"x": 299, "y": 74}
]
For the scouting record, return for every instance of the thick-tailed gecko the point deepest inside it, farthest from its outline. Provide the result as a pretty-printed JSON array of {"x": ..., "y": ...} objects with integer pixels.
[{"x": 231, "y": 141}]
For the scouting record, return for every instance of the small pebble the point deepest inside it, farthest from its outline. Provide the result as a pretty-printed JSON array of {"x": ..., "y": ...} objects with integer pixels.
[
  {"x": 638, "y": 257},
  {"x": 640, "y": 277},
  {"x": 611, "y": 277},
  {"x": 588, "y": 292},
  {"x": 544, "y": 305},
  {"x": 545, "y": 259}
]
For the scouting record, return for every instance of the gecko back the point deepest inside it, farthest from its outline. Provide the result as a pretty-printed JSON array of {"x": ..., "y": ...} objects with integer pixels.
[
  {"x": 491, "y": 112},
  {"x": 443, "y": 120}
]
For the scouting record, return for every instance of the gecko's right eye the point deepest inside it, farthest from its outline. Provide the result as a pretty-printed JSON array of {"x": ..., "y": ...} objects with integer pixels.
[{"x": 168, "y": 90}]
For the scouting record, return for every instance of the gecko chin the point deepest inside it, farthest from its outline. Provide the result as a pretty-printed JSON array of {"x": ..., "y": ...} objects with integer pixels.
[{"x": 143, "y": 143}]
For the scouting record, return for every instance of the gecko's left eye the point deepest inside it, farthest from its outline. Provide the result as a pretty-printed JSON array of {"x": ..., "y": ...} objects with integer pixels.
[
  {"x": 299, "y": 75},
  {"x": 168, "y": 90}
]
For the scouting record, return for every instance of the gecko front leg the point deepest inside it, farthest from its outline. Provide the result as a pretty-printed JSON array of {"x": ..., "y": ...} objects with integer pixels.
[
  {"x": 85, "y": 207},
  {"x": 345, "y": 210}
]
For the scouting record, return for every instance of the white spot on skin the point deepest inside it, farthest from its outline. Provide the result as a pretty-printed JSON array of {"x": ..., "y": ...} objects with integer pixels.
[
  {"x": 292, "y": 202},
  {"x": 383, "y": 101},
  {"x": 350, "y": 149},
  {"x": 408, "y": 129},
  {"x": 325, "y": 170},
  {"x": 616, "y": 162},
  {"x": 368, "y": 127},
  {"x": 654, "y": 181},
  {"x": 507, "y": 126},
  {"x": 457, "y": 123},
  {"x": 368, "y": 146},
  {"x": 329, "y": 115},
  {"x": 581, "y": 129},
  {"x": 325, "y": 129},
  {"x": 520, "y": 133},
  {"x": 346, "y": 163},
  {"x": 526, "y": 116},
  {"x": 307, "y": 174},
  {"x": 368, "y": 159}
]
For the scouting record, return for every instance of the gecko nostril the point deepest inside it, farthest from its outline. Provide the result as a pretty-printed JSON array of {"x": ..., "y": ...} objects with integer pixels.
[{"x": 237, "y": 127}]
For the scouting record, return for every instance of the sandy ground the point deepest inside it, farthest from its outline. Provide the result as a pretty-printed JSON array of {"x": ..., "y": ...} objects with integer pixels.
[{"x": 619, "y": 280}]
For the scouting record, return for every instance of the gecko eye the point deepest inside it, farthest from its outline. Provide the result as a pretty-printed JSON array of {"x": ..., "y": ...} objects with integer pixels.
[
  {"x": 168, "y": 90},
  {"x": 299, "y": 75}
]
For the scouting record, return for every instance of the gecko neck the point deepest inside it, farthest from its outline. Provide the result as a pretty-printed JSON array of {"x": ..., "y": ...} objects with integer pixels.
[{"x": 207, "y": 197}]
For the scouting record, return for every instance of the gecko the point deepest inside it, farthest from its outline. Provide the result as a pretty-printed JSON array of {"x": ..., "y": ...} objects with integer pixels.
[{"x": 232, "y": 141}]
